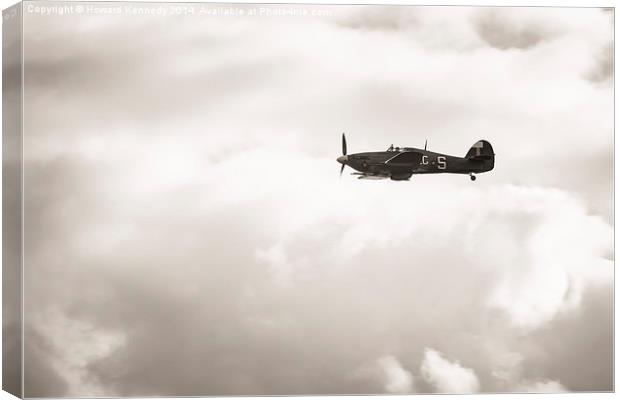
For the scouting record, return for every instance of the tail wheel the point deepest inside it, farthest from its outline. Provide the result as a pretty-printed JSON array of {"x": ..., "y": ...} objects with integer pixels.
[{"x": 472, "y": 177}]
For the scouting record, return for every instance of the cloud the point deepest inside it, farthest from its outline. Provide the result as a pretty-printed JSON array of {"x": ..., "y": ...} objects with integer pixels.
[
  {"x": 380, "y": 18},
  {"x": 541, "y": 387},
  {"x": 505, "y": 30},
  {"x": 602, "y": 71},
  {"x": 448, "y": 377},
  {"x": 398, "y": 379},
  {"x": 554, "y": 278},
  {"x": 195, "y": 239},
  {"x": 588, "y": 333},
  {"x": 42, "y": 378},
  {"x": 385, "y": 374}
]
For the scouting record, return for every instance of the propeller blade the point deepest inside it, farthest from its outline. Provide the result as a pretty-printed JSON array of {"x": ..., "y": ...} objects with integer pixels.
[
  {"x": 341, "y": 169},
  {"x": 344, "y": 145}
]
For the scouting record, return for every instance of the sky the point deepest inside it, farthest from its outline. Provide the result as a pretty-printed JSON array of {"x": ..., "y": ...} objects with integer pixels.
[{"x": 187, "y": 233}]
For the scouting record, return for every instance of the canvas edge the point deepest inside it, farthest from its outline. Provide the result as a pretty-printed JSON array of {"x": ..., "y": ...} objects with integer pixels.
[{"x": 12, "y": 200}]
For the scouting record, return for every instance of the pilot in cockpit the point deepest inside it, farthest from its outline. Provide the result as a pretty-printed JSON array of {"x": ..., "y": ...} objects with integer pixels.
[{"x": 391, "y": 148}]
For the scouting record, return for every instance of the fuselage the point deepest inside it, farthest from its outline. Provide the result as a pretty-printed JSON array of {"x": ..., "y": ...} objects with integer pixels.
[{"x": 379, "y": 163}]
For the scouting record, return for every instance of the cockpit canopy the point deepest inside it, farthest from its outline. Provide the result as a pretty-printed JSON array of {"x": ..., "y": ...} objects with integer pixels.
[{"x": 392, "y": 148}]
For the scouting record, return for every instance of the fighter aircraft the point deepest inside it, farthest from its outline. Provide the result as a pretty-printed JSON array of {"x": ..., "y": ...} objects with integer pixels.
[{"x": 399, "y": 163}]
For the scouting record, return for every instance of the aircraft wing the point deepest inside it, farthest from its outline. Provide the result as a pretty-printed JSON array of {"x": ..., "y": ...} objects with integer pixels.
[{"x": 361, "y": 175}]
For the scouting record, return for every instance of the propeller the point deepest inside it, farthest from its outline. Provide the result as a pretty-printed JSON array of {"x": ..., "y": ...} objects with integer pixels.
[{"x": 343, "y": 158}]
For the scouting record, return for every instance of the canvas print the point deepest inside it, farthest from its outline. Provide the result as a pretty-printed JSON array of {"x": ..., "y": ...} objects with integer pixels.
[{"x": 211, "y": 199}]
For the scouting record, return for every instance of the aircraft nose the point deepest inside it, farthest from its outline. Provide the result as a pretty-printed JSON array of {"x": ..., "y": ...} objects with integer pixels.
[{"x": 342, "y": 159}]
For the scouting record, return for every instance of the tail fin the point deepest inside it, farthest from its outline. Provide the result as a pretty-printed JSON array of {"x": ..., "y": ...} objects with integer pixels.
[{"x": 481, "y": 150}]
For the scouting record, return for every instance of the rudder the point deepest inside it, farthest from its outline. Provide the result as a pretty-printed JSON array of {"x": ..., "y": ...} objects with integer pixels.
[{"x": 481, "y": 150}]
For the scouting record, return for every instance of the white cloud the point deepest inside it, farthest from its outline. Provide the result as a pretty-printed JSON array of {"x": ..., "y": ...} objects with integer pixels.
[
  {"x": 446, "y": 376},
  {"x": 76, "y": 344},
  {"x": 540, "y": 387},
  {"x": 546, "y": 273},
  {"x": 397, "y": 379}
]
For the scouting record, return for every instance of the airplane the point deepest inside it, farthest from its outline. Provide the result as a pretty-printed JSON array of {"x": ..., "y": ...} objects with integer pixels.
[{"x": 400, "y": 163}]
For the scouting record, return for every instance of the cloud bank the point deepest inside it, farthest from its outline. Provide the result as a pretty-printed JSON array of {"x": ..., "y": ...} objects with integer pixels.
[{"x": 188, "y": 233}]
